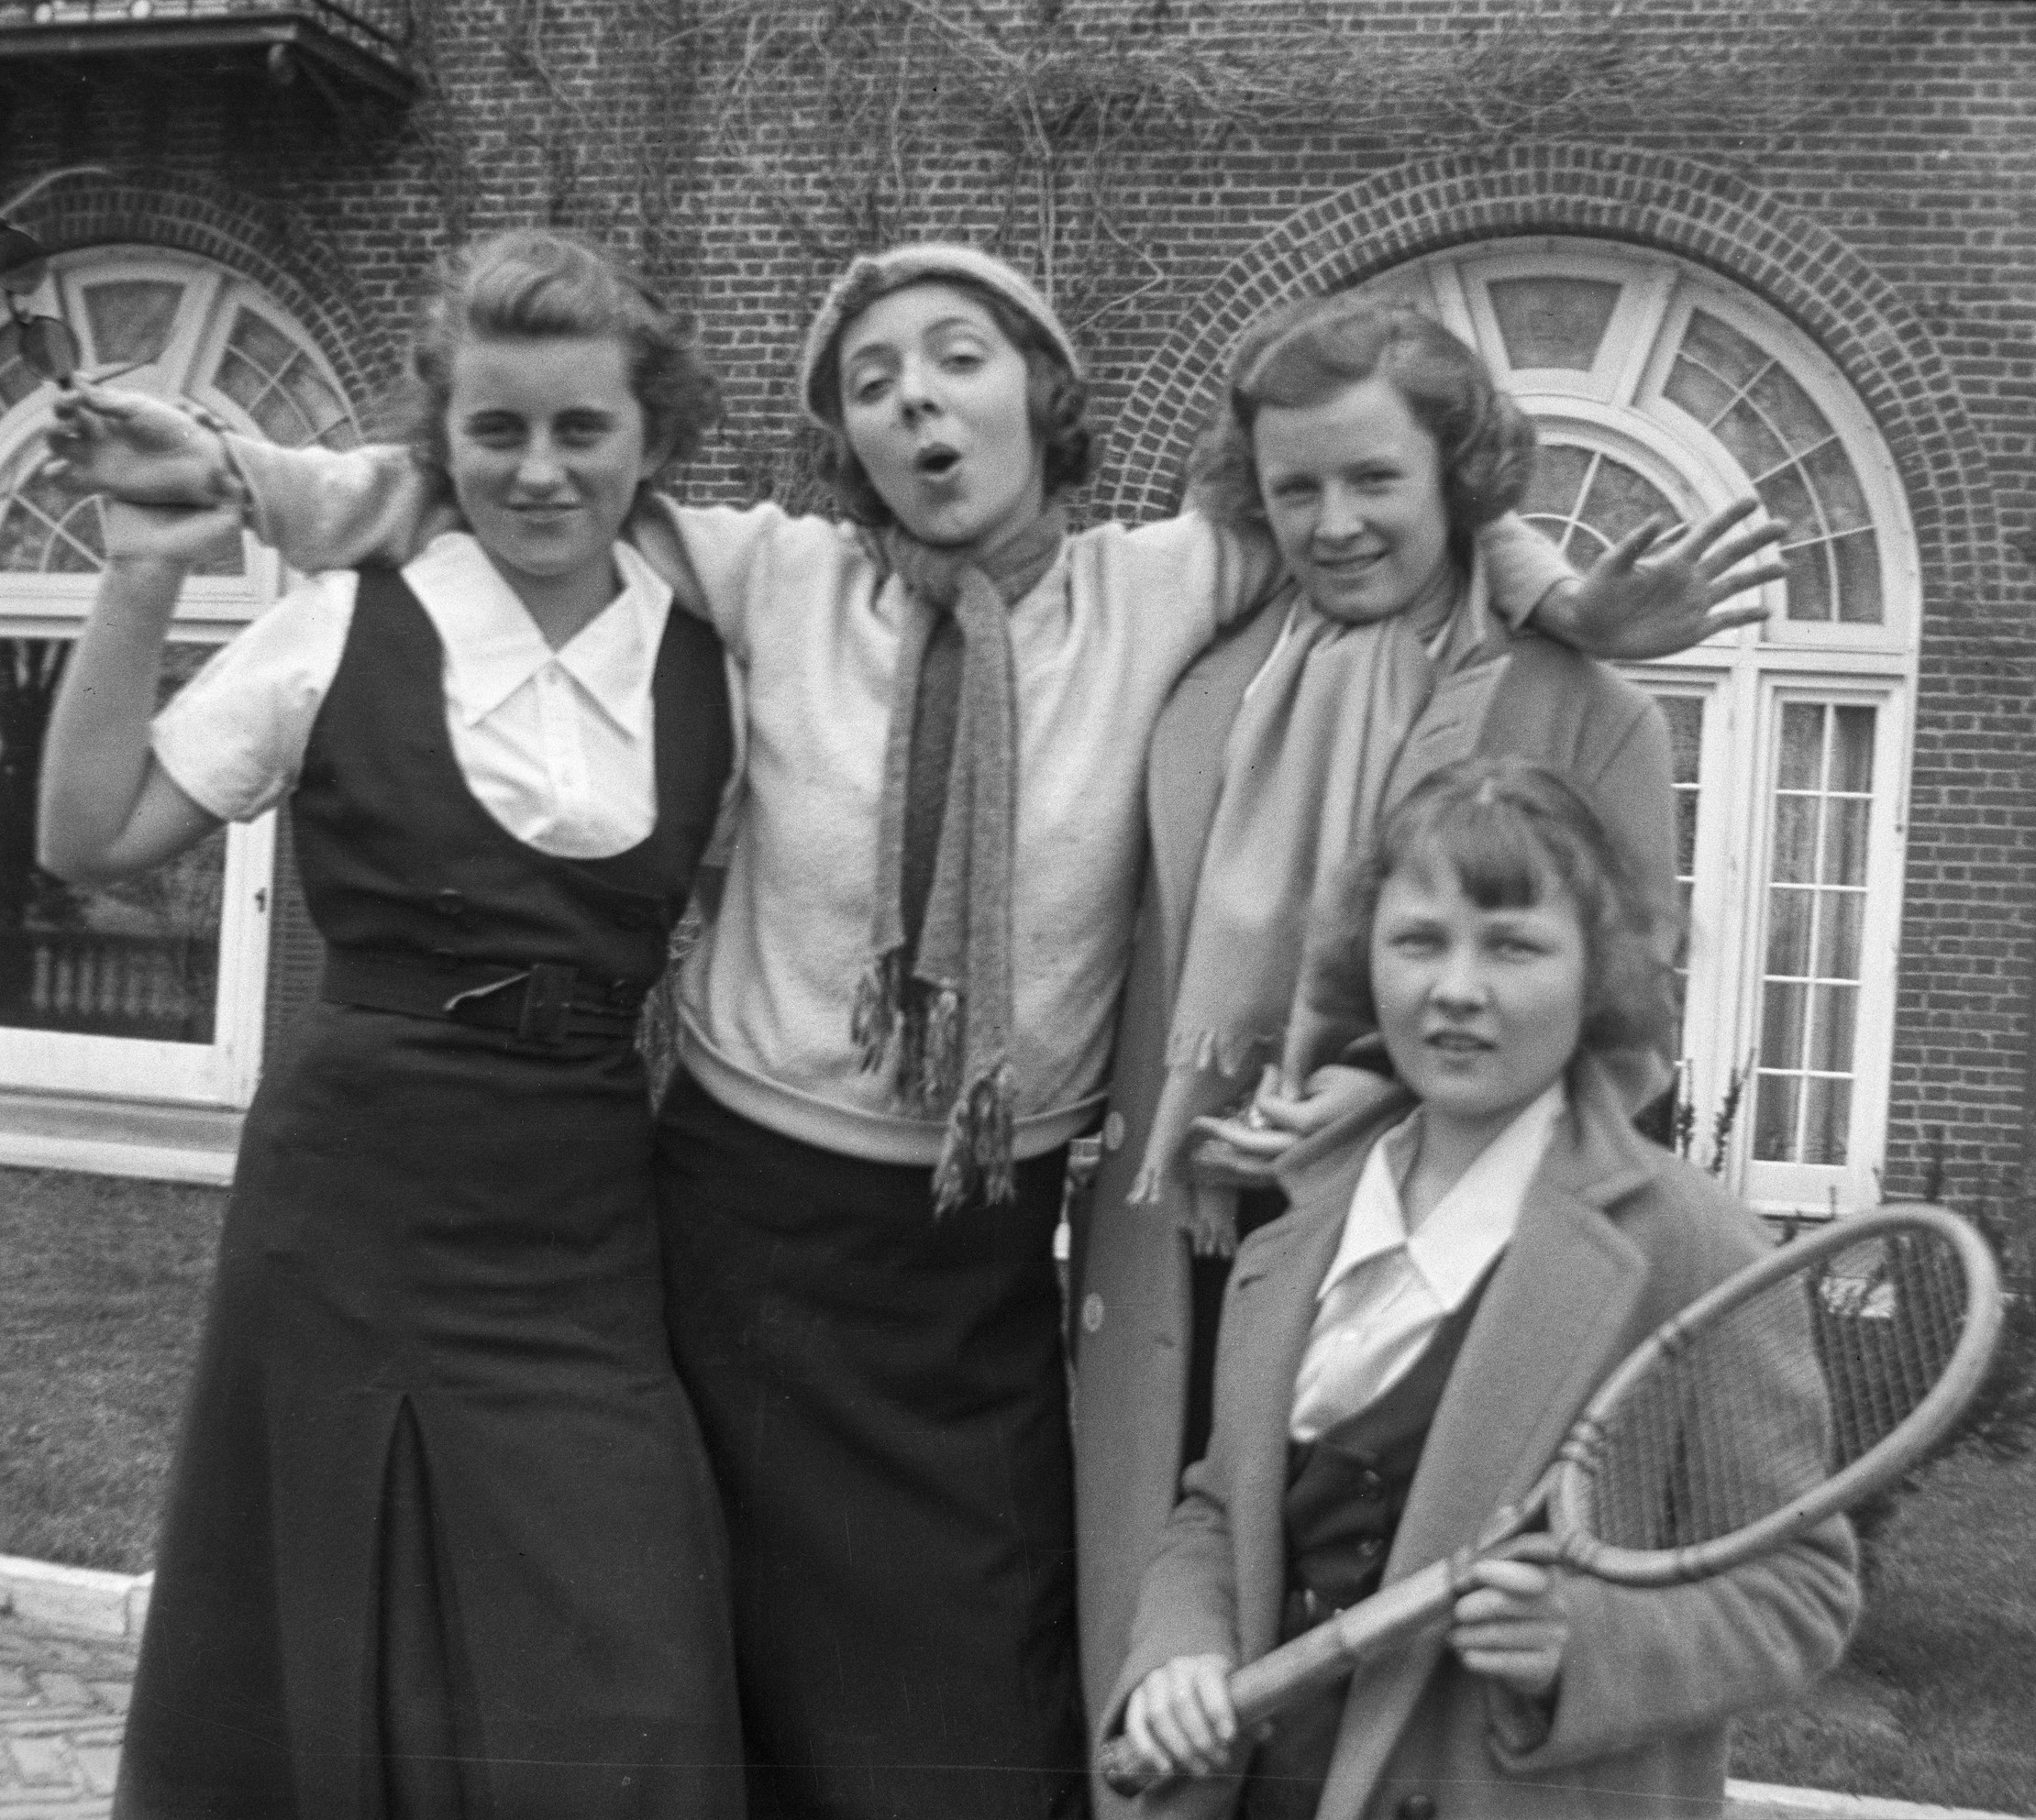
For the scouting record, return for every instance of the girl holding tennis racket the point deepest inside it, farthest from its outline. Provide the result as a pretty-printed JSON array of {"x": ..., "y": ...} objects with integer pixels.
[{"x": 1405, "y": 1352}]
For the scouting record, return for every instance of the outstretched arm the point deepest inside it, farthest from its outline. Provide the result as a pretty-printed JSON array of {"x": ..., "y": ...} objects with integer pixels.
[
  {"x": 319, "y": 507},
  {"x": 108, "y": 809}
]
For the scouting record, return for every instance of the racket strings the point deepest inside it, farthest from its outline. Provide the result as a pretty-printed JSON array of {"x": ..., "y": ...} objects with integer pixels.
[{"x": 1739, "y": 1417}]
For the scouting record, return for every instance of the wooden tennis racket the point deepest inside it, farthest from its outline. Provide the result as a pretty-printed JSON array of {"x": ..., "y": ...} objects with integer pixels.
[{"x": 1795, "y": 1388}]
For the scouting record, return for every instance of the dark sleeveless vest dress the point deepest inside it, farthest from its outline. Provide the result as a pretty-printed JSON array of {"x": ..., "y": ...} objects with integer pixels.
[
  {"x": 1345, "y": 1489},
  {"x": 441, "y": 1541}
]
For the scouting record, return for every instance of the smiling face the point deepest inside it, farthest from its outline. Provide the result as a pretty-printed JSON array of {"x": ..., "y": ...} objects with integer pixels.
[
  {"x": 1353, "y": 493},
  {"x": 1480, "y": 1008},
  {"x": 545, "y": 449},
  {"x": 935, "y": 404}
]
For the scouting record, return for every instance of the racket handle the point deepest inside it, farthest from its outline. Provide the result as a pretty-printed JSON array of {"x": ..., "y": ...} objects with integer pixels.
[
  {"x": 1123, "y": 1770},
  {"x": 1315, "y": 1658}
]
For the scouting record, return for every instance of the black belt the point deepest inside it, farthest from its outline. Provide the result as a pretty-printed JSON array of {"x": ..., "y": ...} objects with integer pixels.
[{"x": 546, "y": 1002}]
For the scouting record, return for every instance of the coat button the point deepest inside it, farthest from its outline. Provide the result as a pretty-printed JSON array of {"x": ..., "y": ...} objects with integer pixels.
[
  {"x": 1091, "y": 1312},
  {"x": 1370, "y": 1484},
  {"x": 1418, "y": 1807},
  {"x": 1114, "y": 1131},
  {"x": 450, "y": 902}
]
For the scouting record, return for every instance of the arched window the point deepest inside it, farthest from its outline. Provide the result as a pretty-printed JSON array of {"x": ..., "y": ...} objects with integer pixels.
[
  {"x": 1659, "y": 388},
  {"x": 152, "y": 990}
]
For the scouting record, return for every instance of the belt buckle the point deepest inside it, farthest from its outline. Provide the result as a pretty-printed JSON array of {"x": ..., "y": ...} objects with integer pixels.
[{"x": 546, "y": 1007}]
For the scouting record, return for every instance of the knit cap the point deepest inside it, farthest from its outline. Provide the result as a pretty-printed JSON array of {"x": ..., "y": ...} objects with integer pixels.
[{"x": 873, "y": 275}]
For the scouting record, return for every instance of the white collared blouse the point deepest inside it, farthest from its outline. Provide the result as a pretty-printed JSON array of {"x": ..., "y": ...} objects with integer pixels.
[
  {"x": 557, "y": 745},
  {"x": 1388, "y": 1290}
]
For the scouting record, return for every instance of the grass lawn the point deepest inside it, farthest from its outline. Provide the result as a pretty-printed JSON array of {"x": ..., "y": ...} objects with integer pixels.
[
  {"x": 101, "y": 1288},
  {"x": 1936, "y": 1701}
]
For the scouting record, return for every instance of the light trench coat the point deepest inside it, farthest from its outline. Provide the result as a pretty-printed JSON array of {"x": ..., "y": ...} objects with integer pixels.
[
  {"x": 1614, "y": 1235},
  {"x": 1500, "y": 692}
]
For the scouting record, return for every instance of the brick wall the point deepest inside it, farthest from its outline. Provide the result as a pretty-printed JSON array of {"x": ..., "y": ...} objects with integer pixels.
[{"x": 1895, "y": 222}]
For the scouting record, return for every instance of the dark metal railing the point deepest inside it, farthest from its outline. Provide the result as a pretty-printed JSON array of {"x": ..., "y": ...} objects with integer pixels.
[
  {"x": 381, "y": 27},
  {"x": 156, "y": 989}
]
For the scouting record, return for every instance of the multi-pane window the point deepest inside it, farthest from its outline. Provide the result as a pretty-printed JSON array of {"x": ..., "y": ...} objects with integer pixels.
[
  {"x": 1661, "y": 390},
  {"x": 1786, "y": 445},
  {"x": 149, "y": 989},
  {"x": 1816, "y": 912}
]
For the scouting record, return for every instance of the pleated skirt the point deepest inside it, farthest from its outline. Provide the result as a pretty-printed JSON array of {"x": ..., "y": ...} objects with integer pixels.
[{"x": 441, "y": 1538}]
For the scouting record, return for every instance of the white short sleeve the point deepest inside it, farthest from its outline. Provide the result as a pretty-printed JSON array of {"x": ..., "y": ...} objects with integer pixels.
[{"x": 233, "y": 739}]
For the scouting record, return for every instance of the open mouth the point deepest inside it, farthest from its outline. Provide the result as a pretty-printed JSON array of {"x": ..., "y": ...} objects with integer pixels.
[{"x": 936, "y": 461}]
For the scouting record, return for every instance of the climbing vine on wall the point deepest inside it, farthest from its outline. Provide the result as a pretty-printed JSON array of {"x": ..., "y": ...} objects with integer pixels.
[
  {"x": 1060, "y": 102},
  {"x": 1034, "y": 125}
]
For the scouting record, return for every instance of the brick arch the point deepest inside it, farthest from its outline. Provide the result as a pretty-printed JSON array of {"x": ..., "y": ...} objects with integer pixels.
[
  {"x": 304, "y": 276},
  {"x": 1700, "y": 212}
]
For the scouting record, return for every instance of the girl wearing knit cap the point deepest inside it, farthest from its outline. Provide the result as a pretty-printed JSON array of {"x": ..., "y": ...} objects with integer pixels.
[{"x": 904, "y": 1005}]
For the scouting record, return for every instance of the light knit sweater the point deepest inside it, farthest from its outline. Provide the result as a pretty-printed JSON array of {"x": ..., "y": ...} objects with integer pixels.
[{"x": 811, "y": 624}]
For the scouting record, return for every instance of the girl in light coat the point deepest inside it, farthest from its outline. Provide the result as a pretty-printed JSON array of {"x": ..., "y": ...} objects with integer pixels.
[{"x": 1403, "y": 1353}]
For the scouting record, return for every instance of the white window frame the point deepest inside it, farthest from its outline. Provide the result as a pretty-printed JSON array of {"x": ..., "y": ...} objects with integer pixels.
[
  {"x": 222, "y": 1075},
  {"x": 1619, "y": 406}
]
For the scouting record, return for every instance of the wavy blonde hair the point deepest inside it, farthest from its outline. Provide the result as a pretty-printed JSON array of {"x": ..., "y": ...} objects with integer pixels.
[{"x": 537, "y": 283}]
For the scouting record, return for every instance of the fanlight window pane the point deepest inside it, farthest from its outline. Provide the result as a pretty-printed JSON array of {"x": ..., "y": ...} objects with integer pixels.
[
  {"x": 1816, "y": 911},
  {"x": 16, "y": 381},
  {"x": 47, "y": 530},
  {"x": 278, "y": 385},
  {"x": 131, "y": 318},
  {"x": 1753, "y": 405},
  {"x": 139, "y": 959},
  {"x": 1584, "y": 500},
  {"x": 1553, "y": 322}
]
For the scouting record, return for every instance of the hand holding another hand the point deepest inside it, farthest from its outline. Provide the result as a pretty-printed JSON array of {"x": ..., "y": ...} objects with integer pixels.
[{"x": 135, "y": 447}]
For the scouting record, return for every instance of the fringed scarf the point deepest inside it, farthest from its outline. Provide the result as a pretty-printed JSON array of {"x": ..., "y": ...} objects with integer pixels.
[
  {"x": 1304, "y": 770},
  {"x": 933, "y": 1007}
]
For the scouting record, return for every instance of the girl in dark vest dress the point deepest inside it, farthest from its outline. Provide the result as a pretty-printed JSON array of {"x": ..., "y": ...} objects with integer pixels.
[
  {"x": 1403, "y": 1353},
  {"x": 442, "y": 1538}
]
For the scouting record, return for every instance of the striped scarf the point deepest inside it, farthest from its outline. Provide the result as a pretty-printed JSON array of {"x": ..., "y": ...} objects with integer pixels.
[{"x": 933, "y": 1008}]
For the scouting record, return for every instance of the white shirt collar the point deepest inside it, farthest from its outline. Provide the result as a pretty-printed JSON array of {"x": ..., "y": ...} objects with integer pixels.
[
  {"x": 1469, "y": 1225},
  {"x": 493, "y": 647}
]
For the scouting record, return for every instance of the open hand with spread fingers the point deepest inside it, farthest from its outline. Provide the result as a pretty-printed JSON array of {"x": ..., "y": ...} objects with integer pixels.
[{"x": 1659, "y": 591}]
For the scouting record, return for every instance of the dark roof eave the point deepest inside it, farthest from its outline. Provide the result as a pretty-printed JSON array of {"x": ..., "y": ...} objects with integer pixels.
[{"x": 245, "y": 31}]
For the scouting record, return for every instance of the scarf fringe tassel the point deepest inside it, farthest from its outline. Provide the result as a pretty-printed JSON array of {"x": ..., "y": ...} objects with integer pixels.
[
  {"x": 975, "y": 1159},
  {"x": 909, "y": 1032}
]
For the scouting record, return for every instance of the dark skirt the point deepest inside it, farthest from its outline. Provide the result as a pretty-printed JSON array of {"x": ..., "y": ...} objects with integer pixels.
[
  {"x": 886, "y": 1403},
  {"x": 441, "y": 1539}
]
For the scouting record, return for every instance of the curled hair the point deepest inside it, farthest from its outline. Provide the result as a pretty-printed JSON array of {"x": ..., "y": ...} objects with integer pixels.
[
  {"x": 1056, "y": 399},
  {"x": 1507, "y": 832},
  {"x": 1305, "y": 353},
  {"x": 541, "y": 284}
]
